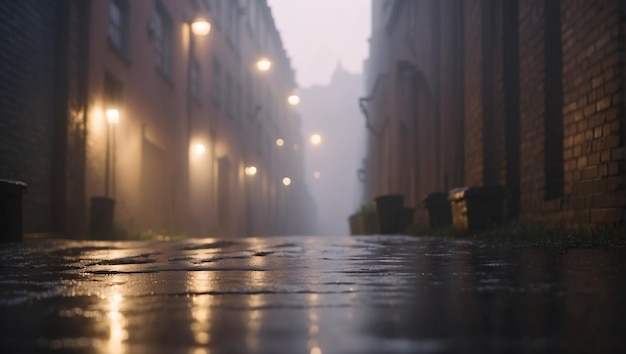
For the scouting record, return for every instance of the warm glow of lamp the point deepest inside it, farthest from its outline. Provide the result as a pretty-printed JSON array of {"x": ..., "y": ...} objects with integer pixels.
[
  {"x": 317, "y": 175},
  {"x": 286, "y": 181},
  {"x": 293, "y": 100},
  {"x": 280, "y": 142},
  {"x": 250, "y": 170},
  {"x": 200, "y": 27},
  {"x": 316, "y": 139},
  {"x": 263, "y": 64},
  {"x": 199, "y": 149},
  {"x": 113, "y": 116}
]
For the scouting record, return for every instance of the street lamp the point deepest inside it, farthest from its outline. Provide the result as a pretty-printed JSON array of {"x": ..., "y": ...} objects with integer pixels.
[
  {"x": 280, "y": 142},
  {"x": 113, "y": 116},
  {"x": 199, "y": 149},
  {"x": 286, "y": 181},
  {"x": 317, "y": 175},
  {"x": 316, "y": 139},
  {"x": 200, "y": 26},
  {"x": 293, "y": 100},
  {"x": 250, "y": 170},
  {"x": 263, "y": 64}
]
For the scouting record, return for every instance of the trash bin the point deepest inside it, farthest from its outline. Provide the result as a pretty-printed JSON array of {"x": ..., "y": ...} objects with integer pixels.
[
  {"x": 11, "y": 210},
  {"x": 389, "y": 209},
  {"x": 438, "y": 208},
  {"x": 101, "y": 220},
  {"x": 477, "y": 208},
  {"x": 356, "y": 223}
]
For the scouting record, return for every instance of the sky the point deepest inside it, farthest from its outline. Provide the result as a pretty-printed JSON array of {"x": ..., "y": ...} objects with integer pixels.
[{"x": 317, "y": 34}]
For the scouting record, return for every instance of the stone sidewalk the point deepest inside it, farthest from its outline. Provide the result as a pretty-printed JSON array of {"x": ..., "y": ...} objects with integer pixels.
[{"x": 375, "y": 294}]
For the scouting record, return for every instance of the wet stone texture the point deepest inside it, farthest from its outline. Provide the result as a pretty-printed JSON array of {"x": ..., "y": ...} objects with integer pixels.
[{"x": 309, "y": 295}]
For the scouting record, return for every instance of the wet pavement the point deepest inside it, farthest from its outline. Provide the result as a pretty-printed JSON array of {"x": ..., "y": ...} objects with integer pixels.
[{"x": 375, "y": 294}]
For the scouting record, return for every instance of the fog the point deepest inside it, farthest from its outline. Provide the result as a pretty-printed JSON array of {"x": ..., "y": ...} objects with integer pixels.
[{"x": 327, "y": 43}]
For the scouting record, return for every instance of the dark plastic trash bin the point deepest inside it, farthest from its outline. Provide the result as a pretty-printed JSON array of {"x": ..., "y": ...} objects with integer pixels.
[
  {"x": 11, "y": 210},
  {"x": 389, "y": 209},
  {"x": 439, "y": 212},
  {"x": 101, "y": 221},
  {"x": 477, "y": 208}
]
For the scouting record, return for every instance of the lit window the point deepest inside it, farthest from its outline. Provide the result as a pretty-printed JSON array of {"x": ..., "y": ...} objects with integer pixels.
[{"x": 118, "y": 24}]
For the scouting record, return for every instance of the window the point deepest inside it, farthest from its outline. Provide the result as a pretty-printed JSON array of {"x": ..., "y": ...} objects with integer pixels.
[
  {"x": 217, "y": 8},
  {"x": 251, "y": 109},
  {"x": 194, "y": 78},
  {"x": 162, "y": 30},
  {"x": 553, "y": 115},
  {"x": 232, "y": 26},
  {"x": 113, "y": 91},
  {"x": 217, "y": 81},
  {"x": 229, "y": 98},
  {"x": 118, "y": 24},
  {"x": 251, "y": 16},
  {"x": 238, "y": 106}
]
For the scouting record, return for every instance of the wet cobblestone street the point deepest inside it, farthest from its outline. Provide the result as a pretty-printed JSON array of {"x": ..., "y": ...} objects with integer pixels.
[{"x": 309, "y": 295}]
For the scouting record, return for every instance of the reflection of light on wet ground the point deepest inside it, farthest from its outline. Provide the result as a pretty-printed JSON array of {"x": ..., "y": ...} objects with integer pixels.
[
  {"x": 117, "y": 333},
  {"x": 314, "y": 328},
  {"x": 197, "y": 283},
  {"x": 256, "y": 280}
]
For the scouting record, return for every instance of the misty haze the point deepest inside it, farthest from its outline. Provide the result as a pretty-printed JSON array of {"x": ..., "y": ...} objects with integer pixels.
[{"x": 312, "y": 176}]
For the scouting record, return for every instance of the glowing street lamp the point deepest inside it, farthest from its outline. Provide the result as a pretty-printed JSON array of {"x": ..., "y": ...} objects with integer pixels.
[
  {"x": 316, "y": 139},
  {"x": 280, "y": 142},
  {"x": 113, "y": 116},
  {"x": 293, "y": 100},
  {"x": 286, "y": 181},
  {"x": 199, "y": 149},
  {"x": 317, "y": 175},
  {"x": 263, "y": 64},
  {"x": 250, "y": 170},
  {"x": 200, "y": 27}
]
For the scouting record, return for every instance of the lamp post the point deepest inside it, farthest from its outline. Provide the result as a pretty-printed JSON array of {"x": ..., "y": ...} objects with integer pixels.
[
  {"x": 250, "y": 172},
  {"x": 198, "y": 26}
]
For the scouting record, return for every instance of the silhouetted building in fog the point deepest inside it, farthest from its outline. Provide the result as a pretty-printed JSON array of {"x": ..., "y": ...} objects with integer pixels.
[
  {"x": 122, "y": 99},
  {"x": 526, "y": 94},
  {"x": 332, "y": 166}
]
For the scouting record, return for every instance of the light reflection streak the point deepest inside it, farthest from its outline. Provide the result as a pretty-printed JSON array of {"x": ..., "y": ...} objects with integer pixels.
[
  {"x": 256, "y": 281},
  {"x": 117, "y": 331},
  {"x": 197, "y": 283},
  {"x": 314, "y": 328}
]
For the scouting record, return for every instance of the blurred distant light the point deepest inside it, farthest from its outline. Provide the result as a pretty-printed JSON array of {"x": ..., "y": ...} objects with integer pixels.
[
  {"x": 199, "y": 149},
  {"x": 316, "y": 139},
  {"x": 293, "y": 100},
  {"x": 200, "y": 27},
  {"x": 263, "y": 64},
  {"x": 317, "y": 175},
  {"x": 286, "y": 181},
  {"x": 113, "y": 116},
  {"x": 250, "y": 170},
  {"x": 280, "y": 142},
  {"x": 296, "y": 147}
]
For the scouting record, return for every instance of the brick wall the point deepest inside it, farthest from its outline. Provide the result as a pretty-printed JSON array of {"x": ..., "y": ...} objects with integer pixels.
[{"x": 28, "y": 104}]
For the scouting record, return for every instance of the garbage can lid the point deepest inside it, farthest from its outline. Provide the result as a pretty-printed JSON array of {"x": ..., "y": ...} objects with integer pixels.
[
  {"x": 12, "y": 187},
  {"x": 476, "y": 192}
]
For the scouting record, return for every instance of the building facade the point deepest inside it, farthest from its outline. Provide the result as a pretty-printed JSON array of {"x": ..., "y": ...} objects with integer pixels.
[
  {"x": 166, "y": 121},
  {"x": 524, "y": 94}
]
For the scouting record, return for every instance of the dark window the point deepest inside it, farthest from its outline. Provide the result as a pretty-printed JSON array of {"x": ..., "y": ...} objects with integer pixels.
[
  {"x": 162, "y": 30},
  {"x": 553, "y": 120},
  {"x": 217, "y": 81},
  {"x": 118, "y": 24},
  {"x": 239, "y": 103},
  {"x": 229, "y": 93},
  {"x": 113, "y": 91}
]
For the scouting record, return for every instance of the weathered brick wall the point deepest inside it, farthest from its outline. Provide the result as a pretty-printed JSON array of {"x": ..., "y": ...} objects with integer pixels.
[
  {"x": 473, "y": 93},
  {"x": 592, "y": 52},
  {"x": 593, "y": 109},
  {"x": 532, "y": 105},
  {"x": 28, "y": 29}
]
